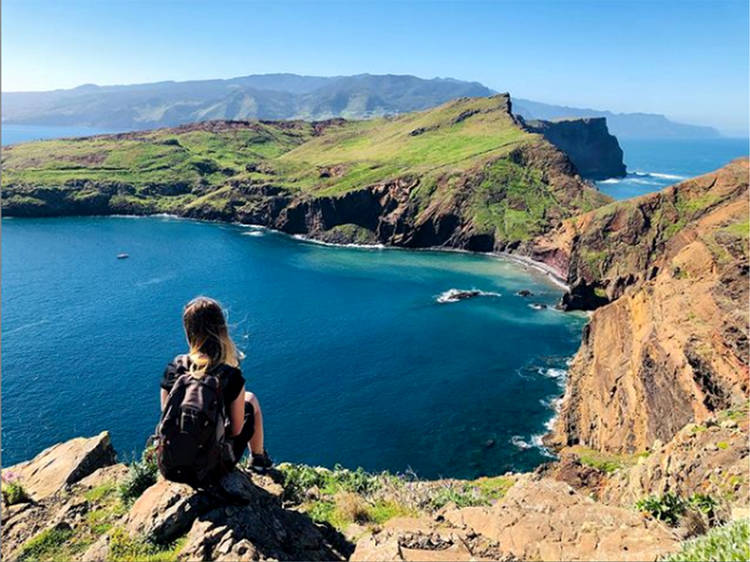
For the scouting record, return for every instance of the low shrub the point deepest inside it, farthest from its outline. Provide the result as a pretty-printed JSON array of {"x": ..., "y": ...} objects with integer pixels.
[
  {"x": 461, "y": 495},
  {"x": 668, "y": 507},
  {"x": 12, "y": 490},
  {"x": 727, "y": 543},
  {"x": 142, "y": 475},
  {"x": 298, "y": 479},
  {"x": 14, "y": 493}
]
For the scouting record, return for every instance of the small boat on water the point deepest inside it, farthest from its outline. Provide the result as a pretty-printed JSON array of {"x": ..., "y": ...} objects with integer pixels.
[{"x": 122, "y": 256}]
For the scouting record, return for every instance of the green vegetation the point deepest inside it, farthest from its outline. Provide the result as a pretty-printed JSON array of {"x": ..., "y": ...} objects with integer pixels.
[
  {"x": 46, "y": 545},
  {"x": 341, "y": 497},
  {"x": 668, "y": 507},
  {"x": 463, "y": 154},
  {"x": 142, "y": 475},
  {"x": 606, "y": 462},
  {"x": 12, "y": 489},
  {"x": 123, "y": 548},
  {"x": 730, "y": 542},
  {"x": 299, "y": 478},
  {"x": 14, "y": 493}
]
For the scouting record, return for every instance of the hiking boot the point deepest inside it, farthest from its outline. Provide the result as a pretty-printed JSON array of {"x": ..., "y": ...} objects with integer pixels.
[{"x": 261, "y": 462}]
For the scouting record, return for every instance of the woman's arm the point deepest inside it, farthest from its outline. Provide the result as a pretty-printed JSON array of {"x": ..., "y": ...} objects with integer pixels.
[
  {"x": 163, "y": 396},
  {"x": 237, "y": 413}
]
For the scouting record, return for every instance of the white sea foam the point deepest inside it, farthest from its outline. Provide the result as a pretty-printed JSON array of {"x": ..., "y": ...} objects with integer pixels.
[
  {"x": 667, "y": 176},
  {"x": 611, "y": 180},
  {"x": 518, "y": 442},
  {"x": 254, "y": 232},
  {"x": 454, "y": 295},
  {"x": 536, "y": 441},
  {"x": 560, "y": 376}
]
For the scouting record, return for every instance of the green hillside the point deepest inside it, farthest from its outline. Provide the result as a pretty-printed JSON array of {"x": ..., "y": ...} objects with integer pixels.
[{"x": 467, "y": 158}]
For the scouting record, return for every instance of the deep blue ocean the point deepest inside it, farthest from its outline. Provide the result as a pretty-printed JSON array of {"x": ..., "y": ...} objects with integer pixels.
[
  {"x": 653, "y": 164},
  {"x": 352, "y": 356}
]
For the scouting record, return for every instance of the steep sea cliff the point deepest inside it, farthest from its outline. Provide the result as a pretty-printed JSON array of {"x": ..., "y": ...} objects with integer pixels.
[{"x": 663, "y": 361}]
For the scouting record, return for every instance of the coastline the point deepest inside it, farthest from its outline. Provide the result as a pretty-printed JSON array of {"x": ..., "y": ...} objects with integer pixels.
[
  {"x": 528, "y": 265},
  {"x": 549, "y": 272}
]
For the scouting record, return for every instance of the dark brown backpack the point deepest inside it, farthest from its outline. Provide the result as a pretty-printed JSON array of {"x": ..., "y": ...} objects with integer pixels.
[{"x": 192, "y": 431}]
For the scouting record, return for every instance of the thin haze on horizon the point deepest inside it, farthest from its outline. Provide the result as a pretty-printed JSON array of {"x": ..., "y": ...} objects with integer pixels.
[{"x": 687, "y": 60}]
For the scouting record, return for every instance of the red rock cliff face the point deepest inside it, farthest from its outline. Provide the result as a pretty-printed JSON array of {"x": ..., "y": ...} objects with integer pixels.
[{"x": 671, "y": 347}]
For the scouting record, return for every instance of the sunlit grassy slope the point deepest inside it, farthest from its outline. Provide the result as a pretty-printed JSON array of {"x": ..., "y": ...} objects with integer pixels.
[
  {"x": 467, "y": 159},
  {"x": 453, "y": 136}
]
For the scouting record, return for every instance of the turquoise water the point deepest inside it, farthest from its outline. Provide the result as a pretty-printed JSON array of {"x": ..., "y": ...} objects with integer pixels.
[
  {"x": 353, "y": 358},
  {"x": 654, "y": 164},
  {"x": 12, "y": 134}
]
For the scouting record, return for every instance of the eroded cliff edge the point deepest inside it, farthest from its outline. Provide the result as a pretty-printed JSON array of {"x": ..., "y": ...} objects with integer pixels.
[
  {"x": 669, "y": 342},
  {"x": 587, "y": 141}
]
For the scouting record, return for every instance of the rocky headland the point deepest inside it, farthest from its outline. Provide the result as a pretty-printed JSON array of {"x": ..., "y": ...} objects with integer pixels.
[
  {"x": 594, "y": 151},
  {"x": 654, "y": 413}
]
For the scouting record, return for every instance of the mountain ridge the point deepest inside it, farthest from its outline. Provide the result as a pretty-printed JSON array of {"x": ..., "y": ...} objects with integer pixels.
[{"x": 288, "y": 96}]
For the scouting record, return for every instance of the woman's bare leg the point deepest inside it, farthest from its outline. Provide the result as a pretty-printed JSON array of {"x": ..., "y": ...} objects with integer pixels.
[{"x": 256, "y": 441}]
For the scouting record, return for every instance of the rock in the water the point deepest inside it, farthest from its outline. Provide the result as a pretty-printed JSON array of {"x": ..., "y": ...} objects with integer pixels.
[
  {"x": 455, "y": 295},
  {"x": 64, "y": 464},
  {"x": 525, "y": 293},
  {"x": 538, "y": 306}
]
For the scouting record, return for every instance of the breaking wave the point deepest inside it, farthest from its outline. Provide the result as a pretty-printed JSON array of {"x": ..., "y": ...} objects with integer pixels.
[{"x": 455, "y": 295}]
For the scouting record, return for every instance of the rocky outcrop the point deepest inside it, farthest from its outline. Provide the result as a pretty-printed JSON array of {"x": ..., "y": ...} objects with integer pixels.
[
  {"x": 537, "y": 520},
  {"x": 247, "y": 516},
  {"x": 587, "y": 141},
  {"x": 63, "y": 464},
  {"x": 709, "y": 458},
  {"x": 671, "y": 347}
]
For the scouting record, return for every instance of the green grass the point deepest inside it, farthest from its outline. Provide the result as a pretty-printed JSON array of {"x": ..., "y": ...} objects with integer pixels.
[
  {"x": 606, "y": 462},
  {"x": 462, "y": 158},
  {"x": 124, "y": 548},
  {"x": 478, "y": 492},
  {"x": 346, "y": 508},
  {"x": 741, "y": 228},
  {"x": 730, "y": 542},
  {"x": 300, "y": 478},
  {"x": 46, "y": 545},
  {"x": 100, "y": 492},
  {"x": 105, "y": 510}
]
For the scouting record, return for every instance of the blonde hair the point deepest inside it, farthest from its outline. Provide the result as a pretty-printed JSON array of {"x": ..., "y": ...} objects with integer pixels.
[{"x": 208, "y": 336}]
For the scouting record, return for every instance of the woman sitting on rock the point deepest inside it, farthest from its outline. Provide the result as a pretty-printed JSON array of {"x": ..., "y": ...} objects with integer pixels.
[{"x": 208, "y": 419}]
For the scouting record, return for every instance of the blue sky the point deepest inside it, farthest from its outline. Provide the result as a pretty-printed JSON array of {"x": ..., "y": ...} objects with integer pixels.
[{"x": 686, "y": 59}]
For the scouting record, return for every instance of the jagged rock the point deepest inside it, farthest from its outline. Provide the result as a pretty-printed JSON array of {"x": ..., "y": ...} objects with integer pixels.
[
  {"x": 97, "y": 551},
  {"x": 687, "y": 464},
  {"x": 260, "y": 530},
  {"x": 537, "y": 520},
  {"x": 166, "y": 510},
  {"x": 112, "y": 473},
  {"x": 64, "y": 464},
  {"x": 671, "y": 346},
  {"x": 587, "y": 141}
]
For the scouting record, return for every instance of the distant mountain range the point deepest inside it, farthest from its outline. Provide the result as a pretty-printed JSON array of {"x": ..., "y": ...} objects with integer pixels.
[{"x": 289, "y": 96}]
